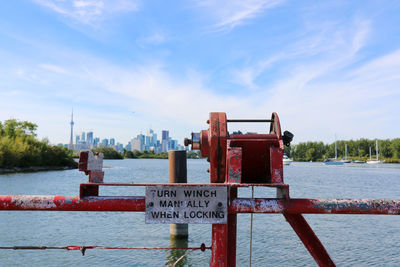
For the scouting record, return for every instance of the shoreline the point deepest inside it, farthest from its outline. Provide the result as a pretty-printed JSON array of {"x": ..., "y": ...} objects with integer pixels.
[{"x": 35, "y": 169}]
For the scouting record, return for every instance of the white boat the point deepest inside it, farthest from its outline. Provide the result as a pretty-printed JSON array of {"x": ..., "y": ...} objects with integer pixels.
[
  {"x": 371, "y": 160},
  {"x": 286, "y": 160}
]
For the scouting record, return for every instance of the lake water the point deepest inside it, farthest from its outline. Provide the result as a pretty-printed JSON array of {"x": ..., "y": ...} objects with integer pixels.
[{"x": 351, "y": 240}]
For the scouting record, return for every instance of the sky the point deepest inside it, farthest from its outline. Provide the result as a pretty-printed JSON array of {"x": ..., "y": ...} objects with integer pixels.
[{"x": 326, "y": 67}]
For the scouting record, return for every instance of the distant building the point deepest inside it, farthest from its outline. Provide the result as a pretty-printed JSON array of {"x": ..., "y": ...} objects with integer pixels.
[
  {"x": 138, "y": 143},
  {"x": 164, "y": 141},
  {"x": 96, "y": 142},
  {"x": 83, "y": 136},
  {"x": 173, "y": 145},
  {"x": 104, "y": 142},
  {"x": 89, "y": 138},
  {"x": 154, "y": 140},
  {"x": 119, "y": 147},
  {"x": 112, "y": 142}
]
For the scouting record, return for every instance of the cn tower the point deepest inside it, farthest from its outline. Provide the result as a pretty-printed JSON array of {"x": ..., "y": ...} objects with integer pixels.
[{"x": 71, "y": 140}]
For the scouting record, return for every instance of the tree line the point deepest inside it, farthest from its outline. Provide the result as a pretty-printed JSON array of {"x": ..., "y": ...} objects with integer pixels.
[
  {"x": 19, "y": 147},
  {"x": 389, "y": 150}
]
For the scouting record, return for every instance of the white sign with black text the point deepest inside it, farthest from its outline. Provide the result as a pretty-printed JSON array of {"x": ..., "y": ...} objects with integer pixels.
[{"x": 186, "y": 204}]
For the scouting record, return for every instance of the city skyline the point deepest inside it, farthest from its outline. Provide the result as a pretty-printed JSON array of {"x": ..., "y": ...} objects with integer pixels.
[
  {"x": 326, "y": 67},
  {"x": 87, "y": 140}
]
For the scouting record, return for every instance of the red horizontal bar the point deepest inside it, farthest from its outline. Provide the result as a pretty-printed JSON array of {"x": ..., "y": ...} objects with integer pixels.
[
  {"x": 185, "y": 184},
  {"x": 315, "y": 206},
  {"x": 72, "y": 203},
  {"x": 238, "y": 205}
]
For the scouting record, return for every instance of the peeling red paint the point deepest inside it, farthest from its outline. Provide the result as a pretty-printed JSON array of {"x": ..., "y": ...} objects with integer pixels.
[
  {"x": 316, "y": 206},
  {"x": 69, "y": 203}
]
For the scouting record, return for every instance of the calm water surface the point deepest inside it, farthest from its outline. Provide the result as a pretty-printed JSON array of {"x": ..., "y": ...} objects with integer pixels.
[{"x": 351, "y": 240}]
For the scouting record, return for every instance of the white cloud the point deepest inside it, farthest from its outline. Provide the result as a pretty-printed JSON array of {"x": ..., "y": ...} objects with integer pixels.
[
  {"x": 246, "y": 76},
  {"x": 154, "y": 39},
  {"x": 320, "y": 50},
  {"x": 232, "y": 13},
  {"x": 53, "y": 68},
  {"x": 89, "y": 11}
]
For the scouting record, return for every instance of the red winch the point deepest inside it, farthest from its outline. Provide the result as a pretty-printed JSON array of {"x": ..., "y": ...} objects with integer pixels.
[{"x": 242, "y": 158}]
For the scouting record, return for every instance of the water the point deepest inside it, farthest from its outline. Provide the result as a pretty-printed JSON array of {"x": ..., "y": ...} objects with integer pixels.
[{"x": 351, "y": 240}]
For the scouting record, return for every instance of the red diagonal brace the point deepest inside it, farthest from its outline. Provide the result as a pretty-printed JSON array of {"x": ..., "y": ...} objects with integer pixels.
[{"x": 309, "y": 239}]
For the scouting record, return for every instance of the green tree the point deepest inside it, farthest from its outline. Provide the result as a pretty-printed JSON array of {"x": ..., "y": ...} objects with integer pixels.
[
  {"x": 20, "y": 148},
  {"x": 108, "y": 152},
  {"x": 311, "y": 154},
  {"x": 395, "y": 148}
]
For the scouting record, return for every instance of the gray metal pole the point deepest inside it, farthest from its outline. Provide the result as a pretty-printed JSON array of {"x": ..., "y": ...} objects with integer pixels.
[{"x": 178, "y": 174}]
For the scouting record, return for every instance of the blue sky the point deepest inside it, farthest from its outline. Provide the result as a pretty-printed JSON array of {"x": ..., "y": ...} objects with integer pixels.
[{"x": 326, "y": 67}]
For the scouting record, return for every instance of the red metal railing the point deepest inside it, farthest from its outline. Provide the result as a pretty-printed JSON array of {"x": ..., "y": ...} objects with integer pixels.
[
  {"x": 237, "y": 205},
  {"x": 223, "y": 245}
]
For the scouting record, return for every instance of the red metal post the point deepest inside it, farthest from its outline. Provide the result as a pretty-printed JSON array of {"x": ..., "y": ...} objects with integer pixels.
[
  {"x": 92, "y": 165},
  {"x": 219, "y": 245},
  {"x": 232, "y": 229},
  {"x": 309, "y": 239},
  {"x": 223, "y": 248}
]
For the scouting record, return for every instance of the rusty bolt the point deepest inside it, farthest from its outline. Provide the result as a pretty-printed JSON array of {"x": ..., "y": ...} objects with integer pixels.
[
  {"x": 208, "y": 121},
  {"x": 219, "y": 204},
  {"x": 208, "y": 170},
  {"x": 151, "y": 204}
]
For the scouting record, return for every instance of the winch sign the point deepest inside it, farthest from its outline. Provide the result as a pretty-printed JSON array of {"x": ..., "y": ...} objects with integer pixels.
[{"x": 186, "y": 204}]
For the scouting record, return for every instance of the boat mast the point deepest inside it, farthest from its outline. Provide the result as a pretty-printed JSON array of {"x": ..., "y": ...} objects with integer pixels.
[
  {"x": 370, "y": 153},
  {"x": 335, "y": 147},
  {"x": 345, "y": 151},
  {"x": 377, "y": 151},
  {"x": 335, "y": 150}
]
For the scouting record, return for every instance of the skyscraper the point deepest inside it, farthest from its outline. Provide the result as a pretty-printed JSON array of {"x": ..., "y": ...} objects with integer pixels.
[
  {"x": 96, "y": 141},
  {"x": 164, "y": 140},
  {"x": 71, "y": 139},
  {"x": 104, "y": 142},
  {"x": 89, "y": 138}
]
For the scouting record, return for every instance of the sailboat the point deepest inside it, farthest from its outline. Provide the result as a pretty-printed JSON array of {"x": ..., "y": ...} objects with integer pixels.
[
  {"x": 333, "y": 161},
  {"x": 371, "y": 160},
  {"x": 345, "y": 160}
]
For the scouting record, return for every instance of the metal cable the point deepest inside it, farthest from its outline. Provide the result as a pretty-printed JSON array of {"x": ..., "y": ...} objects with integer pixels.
[
  {"x": 251, "y": 229},
  {"x": 84, "y": 248}
]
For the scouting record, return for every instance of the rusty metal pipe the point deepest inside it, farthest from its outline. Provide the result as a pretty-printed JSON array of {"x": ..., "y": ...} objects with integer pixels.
[
  {"x": 315, "y": 206},
  {"x": 72, "y": 203},
  {"x": 237, "y": 205}
]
